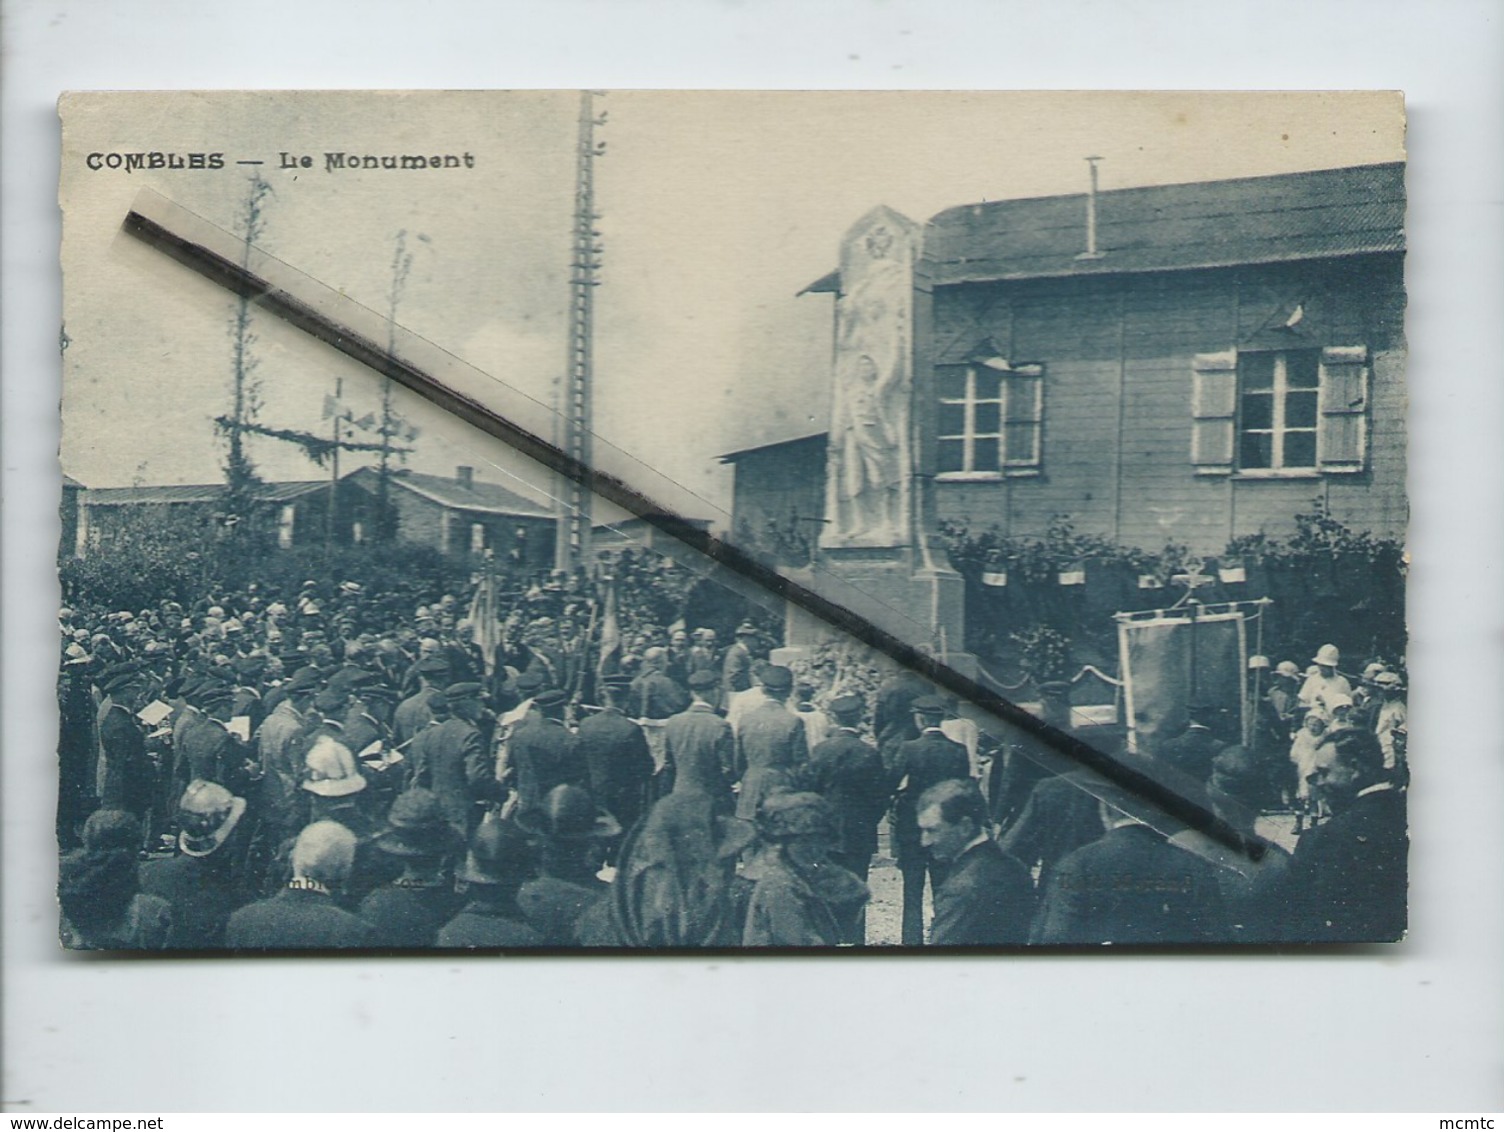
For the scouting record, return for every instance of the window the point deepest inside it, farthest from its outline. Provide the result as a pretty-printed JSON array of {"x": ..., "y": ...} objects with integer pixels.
[
  {"x": 477, "y": 538},
  {"x": 990, "y": 418},
  {"x": 1277, "y": 409},
  {"x": 285, "y": 525},
  {"x": 1270, "y": 413}
]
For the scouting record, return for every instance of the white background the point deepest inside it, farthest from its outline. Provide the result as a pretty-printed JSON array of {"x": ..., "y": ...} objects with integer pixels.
[{"x": 1411, "y": 1027}]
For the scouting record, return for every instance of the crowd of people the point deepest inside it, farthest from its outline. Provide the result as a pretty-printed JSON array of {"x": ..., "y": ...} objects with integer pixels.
[{"x": 335, "y": 768}]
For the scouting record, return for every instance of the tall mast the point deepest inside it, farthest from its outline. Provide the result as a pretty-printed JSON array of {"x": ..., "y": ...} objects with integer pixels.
[{"x": 573, "y": 544}]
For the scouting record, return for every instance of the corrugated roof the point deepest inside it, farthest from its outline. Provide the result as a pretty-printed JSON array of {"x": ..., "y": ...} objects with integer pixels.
[
  {"x": 1289, "y": 216},
  {"x": 493, "y": 499},
  {"x": 194, "y": 493}
]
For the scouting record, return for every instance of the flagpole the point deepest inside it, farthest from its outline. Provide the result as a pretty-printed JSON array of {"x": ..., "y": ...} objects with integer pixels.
[{"x": 339, "y": 392}]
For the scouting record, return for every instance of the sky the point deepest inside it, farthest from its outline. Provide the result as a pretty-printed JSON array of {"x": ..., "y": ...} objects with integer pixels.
[{"x": 715, "y": 210}]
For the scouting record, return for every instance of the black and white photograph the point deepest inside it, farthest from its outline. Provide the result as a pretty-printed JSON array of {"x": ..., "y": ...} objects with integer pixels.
[{"x": 660, "y": 521}]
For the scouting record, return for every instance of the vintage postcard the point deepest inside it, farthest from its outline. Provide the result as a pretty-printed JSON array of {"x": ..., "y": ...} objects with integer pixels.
[{"x": 505, "y": 521}]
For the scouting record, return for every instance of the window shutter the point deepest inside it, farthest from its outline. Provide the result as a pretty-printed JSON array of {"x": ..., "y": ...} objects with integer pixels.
[
  {"x": 1342, "y": 442},
  {"x": 1214, "y": 407},
  {"x": 1025, "y": 418}
]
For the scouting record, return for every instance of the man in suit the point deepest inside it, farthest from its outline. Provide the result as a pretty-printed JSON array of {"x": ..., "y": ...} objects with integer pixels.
[
  {"x": 1130, "y": 886},
  {"x": 616, "y": 755},
  {"x": 209, "y": 751},
  {"x": 700, "y": 746},
  {"x": 304, "y": 915},
  {"x": 736, "y": 665},
  {"x": 987, "y": 897},
  {"x": 653, "y": 694},
  {"x": 127, "y": 779},
  {"x": 770, "y": 742},
  {"x": 930, "y": 759},
  {"x": 412, "y": 714},
  {"x": 279, "y": 734},
  {"x": 544, "y": 754},
  {"x": 449, "y": 758},
  {"x": 1346, "y": 881},
  {"x": 847, "y": 771}
]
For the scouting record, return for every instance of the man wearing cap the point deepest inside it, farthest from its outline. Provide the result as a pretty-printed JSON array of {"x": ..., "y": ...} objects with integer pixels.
[
  {"x": 409, "y": 910},
  {"x": 208, "y": 750},
  {"x": 1346, "y": 881},
  {"x": 449, "y": 758},
  {"x": 616, "y": 755},
  {"x": 770, "y": 743},
  {"x": 736, "y": 665},
  {"x": 1325, "y": 682},
  {"x": 987, "y": 897},
  {"x": 544, "y": 755},
  {"x": 571, "y": 832},
  {"x": 305, "y": 915},
  {"x": 127, "y": 775},
  {"x": 699, "y": 746},
  {"x": 500, "y": 861},
  {"x": 849, "y": 774},
  {"x": 816, "y": 723},
  {"x": 1391, "y": 723},
  {"x": 277, "y": 740},
  {"x": 205, "y": 882},
  {"x": 930, "y": 759},
  {"x": 412, "y": 714}
]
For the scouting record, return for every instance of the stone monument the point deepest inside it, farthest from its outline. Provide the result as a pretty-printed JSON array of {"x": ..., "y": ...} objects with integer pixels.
[{"x": 878, "y": 552}]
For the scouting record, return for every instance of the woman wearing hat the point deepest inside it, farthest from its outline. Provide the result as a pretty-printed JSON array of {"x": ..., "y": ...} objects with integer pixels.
[
  {"x": 102, "y": 905},
  {"x": 800, "y": 896},
  {"x": 1325, "y": 683}
]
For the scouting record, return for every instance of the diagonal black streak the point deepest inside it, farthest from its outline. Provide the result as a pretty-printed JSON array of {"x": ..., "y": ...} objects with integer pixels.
[{"x": 245, "y": 283}]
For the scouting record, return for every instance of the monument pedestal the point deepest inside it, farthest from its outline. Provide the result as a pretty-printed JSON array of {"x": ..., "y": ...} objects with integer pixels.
[{"x": 901, "y": 590}]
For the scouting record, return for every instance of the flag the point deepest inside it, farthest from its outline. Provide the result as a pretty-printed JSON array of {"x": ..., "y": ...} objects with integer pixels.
[
  {"x": 367, "y": 422},
  {"x": 485, "y": 631},
  {"x": 610, "y": 659},
  {"x": 332, "y": 406}
]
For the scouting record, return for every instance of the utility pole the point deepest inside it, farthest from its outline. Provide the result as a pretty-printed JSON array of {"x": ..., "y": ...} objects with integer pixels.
[{"x": 572, "y": 547}]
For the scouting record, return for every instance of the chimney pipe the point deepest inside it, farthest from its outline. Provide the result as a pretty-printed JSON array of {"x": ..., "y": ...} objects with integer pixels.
[
  {"x": 1091, "y": 251},
  {"x": 466, "y": 477}
]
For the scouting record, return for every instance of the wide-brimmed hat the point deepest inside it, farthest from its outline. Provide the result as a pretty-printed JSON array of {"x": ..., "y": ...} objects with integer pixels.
[
  {"x": 1389, "y": 680},
  {"x": 500, "y": 853},
  {"x": 746, "y": 629},
  {"x": 795, "y": 813},
  {"x": 702, "y": 679},
  {"x": 1287, "y": 668},
  {"x": 207, "y": 815},
  {"x": 416, "y": 827},
  {"x": 1327, "y": 655},
  {"x": 568, "y": 813},
  {"x": 330, "y": 770}
]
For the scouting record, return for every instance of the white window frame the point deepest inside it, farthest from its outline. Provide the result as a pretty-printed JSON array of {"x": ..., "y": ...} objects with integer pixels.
[
  {"x": 1008, "y": 465},
  {"x": 1278, "y": 429}
]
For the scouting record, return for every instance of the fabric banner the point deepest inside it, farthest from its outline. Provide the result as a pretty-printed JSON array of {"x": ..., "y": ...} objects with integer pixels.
[{"x": 1174, "y": 662}]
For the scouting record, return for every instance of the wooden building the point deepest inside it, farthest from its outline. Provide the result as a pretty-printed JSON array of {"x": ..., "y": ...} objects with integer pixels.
[
  {"x": 1227, "y": 353},
  {"x": 459, "y": 516}
]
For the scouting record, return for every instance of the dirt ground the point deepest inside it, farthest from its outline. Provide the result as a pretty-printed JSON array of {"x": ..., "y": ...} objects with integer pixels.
[{"x": 885, "y": 911}]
